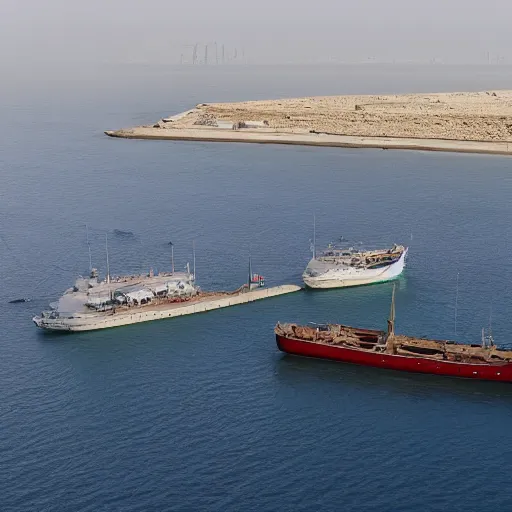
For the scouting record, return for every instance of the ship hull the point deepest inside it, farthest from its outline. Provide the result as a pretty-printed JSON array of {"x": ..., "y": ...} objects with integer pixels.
[
  {"x": 501, "y": 372},
  {"x": 325, "y": 284},
  {"x": 344, "y": 278}
]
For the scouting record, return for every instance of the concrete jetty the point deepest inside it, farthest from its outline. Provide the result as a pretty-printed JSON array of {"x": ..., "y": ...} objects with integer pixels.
[
  {"x": 96, "y": 320},
  {"x": 464, "y": 122},
  {"x": 308, "y": 139}
]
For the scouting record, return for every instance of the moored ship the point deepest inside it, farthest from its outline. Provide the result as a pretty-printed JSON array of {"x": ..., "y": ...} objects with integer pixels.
[
  {"x": 145, "y": 306},
  {"x": 342, "y": 267},
  {"x": 93, "y": 304},
  {"x": 385, "y": 349}
]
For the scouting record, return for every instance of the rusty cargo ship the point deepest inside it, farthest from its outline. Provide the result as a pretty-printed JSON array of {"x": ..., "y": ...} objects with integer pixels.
[{"x": 385, "y": 349}]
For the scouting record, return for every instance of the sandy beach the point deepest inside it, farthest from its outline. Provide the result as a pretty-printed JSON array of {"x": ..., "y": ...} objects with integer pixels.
[{"x": 477, "y": 122}]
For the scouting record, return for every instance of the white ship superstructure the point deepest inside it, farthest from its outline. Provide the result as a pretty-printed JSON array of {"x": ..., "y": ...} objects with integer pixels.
[
  {"x": 90, "y": 296},
  {"x": 339, "y": 268}
]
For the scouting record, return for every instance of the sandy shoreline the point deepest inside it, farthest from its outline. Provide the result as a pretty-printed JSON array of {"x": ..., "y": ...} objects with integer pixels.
[{"x": 460, "y": 122}]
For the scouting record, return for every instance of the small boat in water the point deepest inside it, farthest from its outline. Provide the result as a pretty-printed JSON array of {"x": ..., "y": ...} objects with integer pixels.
[
  {"x": 397, "y": 352},
  {"x": 338, "y": 268}
]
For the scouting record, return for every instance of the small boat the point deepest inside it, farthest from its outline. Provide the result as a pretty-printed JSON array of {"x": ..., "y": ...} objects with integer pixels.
[
  {"x": 385, "y": 349},
  {"x": 338, "y": 267}
]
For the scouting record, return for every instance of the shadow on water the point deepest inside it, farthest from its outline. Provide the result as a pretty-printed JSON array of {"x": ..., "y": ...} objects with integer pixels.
[
  {"x": 124, "y": 234},
  {"x": 296, "y": 371},
  {"x": 45, "y": 336}
]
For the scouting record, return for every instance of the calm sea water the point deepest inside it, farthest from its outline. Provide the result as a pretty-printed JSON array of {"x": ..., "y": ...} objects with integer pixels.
[{"x": 203, "y": 412}]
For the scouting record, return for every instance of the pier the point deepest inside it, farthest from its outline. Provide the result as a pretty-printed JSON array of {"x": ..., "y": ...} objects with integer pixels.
[{"x": 93, "y": 321}]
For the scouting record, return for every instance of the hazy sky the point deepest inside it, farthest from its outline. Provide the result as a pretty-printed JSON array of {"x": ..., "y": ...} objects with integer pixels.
[{"x": 270, "y": 31}]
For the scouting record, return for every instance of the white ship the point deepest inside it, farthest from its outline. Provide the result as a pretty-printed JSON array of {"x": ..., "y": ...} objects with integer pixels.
[
  {"x": 339, "y": 268},
  {"x": 115, "y": 301},
  {"x": 90, "y": 296}
]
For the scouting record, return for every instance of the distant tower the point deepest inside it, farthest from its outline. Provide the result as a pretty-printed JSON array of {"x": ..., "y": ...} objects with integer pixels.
[
  {"x": 194, "y": 54},
  {"x": 206, "y": 54},
  {"x": 216, "y": 54},
  {"x": 223, "y": 54}
]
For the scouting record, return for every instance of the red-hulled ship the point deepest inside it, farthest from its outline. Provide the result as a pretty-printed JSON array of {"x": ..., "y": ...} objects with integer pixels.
[{"x": 396, "y": 352}]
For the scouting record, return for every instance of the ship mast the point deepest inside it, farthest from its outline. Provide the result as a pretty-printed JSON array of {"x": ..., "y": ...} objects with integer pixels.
[
  {"x": 490, "y": 323},
  {"x": 108, "y": 264},
  {"x": 488, "y": 341},
  {"x": 172, "y": 257},
  {"x": 391, "y": 321},
  {"x": 250, "y": 273},
  {"x": 194, "y": 256},
  {"x": 314, "y": 236},
  {"x": 89, "y": 246},
  {"x": 456, "y": 302}
]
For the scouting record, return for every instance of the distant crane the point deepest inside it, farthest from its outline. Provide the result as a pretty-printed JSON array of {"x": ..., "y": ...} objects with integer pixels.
[
  {"x": 222, "y": 55},
  {"x": 194, "y": 52}
]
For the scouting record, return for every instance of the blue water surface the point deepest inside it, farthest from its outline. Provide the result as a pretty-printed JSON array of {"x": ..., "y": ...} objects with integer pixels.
[{"x": 203, "y": 412}]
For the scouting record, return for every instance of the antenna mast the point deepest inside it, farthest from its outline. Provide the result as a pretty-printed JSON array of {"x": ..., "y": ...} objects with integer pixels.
[
  {"x": 89, "y": 246},
  {"x": 490, "y": 338},
  {"x": 250, "y": 272},
  {"x": 456, "y": 303},
  {"x": 391, "y": 321},
  {"x": 314, "y": 236},
  {"x": 194, "y": 256},
  {"x": 108, "y": 264},
  {"x": 490, "y": 321}
]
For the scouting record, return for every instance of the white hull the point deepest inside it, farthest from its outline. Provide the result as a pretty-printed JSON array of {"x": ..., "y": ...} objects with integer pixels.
[
  {"x": 344, "y": 276},
  {"x": 93, "y": 321}
]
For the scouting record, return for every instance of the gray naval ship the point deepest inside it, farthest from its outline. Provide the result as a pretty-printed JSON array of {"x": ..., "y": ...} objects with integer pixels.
[
  {"x": 93, "y": 304},
  {"x": 91, "y": 296}
]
